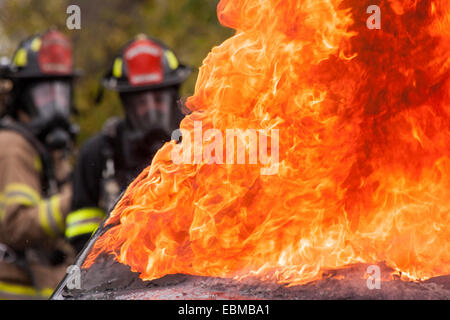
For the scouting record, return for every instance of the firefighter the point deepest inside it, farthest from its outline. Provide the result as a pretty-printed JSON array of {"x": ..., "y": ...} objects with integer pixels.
[
  {"x": 5, "y": 84},
  {"x": 147, "y": 76},
  {"x": 36, "y": 142}
]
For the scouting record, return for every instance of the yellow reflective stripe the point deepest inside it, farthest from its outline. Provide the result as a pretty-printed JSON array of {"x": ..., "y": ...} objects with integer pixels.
[
  {"x": 172, "y": 59},
  {"x": 83, "y": 221},
  {"x": 18, "y": 199},
  {"x": 17, "y": 194},
  {"x": 17, "y": 289},
  {"x": 24, "y": 190},
  {"x": 43, "y": 218},
  {"x": 46, "y": 292},
  {"x": 2, "y": 206},
  {"x": 85, "y": 214},
  {"x": 117, "y": 68},
  {"x": 36, "y": 44},
  {"x": 56, "y": 212},
  {"x": 51, "y": 217},
  {"x": 21, "y": 290},
  {"x": 37, "y": 163},
  {"x": 80, "y": 229},
  {"x": 21, "y": 58}
]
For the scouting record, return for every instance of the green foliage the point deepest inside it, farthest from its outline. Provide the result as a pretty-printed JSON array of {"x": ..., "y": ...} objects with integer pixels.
[{"x": 189, "y": 27}]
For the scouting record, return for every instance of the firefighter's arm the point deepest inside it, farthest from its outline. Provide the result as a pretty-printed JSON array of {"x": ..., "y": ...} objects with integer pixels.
[
  {"x": 85, "y": 217},
  {"x": 25, "y": 217}
]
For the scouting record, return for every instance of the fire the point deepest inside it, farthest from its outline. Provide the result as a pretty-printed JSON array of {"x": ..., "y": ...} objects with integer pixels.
[{"x": 364, "y": 150}]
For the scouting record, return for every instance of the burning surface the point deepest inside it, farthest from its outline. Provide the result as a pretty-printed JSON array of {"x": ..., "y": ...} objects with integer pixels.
[
  {"x": 364, "y": 150},
  {"x": 108, "y": 279}
]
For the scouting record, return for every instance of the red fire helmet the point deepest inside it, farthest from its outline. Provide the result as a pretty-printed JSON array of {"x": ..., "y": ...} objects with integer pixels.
[
  {"x": 44, "y": 55},
  {"x": 145, "y": 64}
]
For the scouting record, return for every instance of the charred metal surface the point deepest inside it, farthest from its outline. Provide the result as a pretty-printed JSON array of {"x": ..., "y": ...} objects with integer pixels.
[{"x": 108, "y": 279}]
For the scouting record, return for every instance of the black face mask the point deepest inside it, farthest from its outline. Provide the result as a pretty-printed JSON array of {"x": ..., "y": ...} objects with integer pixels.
[{"x": 49, "y": 104}]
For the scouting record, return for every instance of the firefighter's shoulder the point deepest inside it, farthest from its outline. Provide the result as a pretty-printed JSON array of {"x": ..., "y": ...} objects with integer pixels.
[{"x": 13, "y": 143}]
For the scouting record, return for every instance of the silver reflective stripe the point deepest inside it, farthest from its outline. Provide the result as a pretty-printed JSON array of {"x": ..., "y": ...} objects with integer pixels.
[
  {"x": 12, "y": 194},
  {"x": 51, "y": 218},
  {"x": 77, "y": 223}
]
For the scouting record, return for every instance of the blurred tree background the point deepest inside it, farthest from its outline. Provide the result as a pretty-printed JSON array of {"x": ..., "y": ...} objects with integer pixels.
[{"x": 189, "y": 27}]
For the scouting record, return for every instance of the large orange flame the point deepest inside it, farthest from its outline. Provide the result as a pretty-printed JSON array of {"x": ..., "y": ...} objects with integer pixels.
[{"x": 364, "y": 132}]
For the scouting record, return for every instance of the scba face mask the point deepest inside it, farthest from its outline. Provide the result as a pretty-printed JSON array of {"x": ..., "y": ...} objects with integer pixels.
[
  {"x": 150, "y": 110},
  {"x": 51, "y": 98},
  {"x": 49, "y": 106},
  {"x": 151, "y": 118}
]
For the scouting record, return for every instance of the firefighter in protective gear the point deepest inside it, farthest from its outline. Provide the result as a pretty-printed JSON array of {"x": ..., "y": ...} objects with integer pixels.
[
  {"x": 147, "y": 75},
  {"x": 5, "y": 84},
  {"x": 36, "y": 139}
]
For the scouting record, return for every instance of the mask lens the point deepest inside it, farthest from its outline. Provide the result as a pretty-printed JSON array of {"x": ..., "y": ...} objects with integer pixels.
[
  {"x": 51, "y": 98},
  {"x": 150, "y": 109}
]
